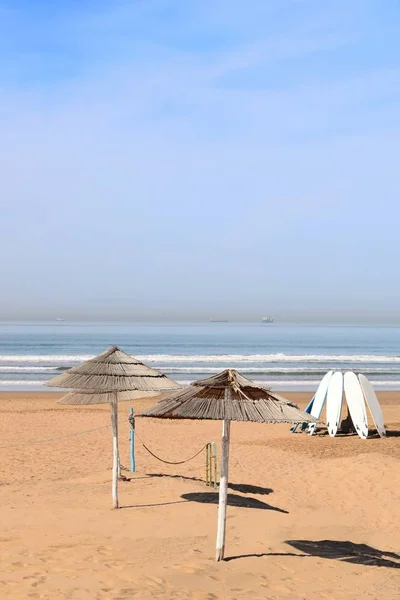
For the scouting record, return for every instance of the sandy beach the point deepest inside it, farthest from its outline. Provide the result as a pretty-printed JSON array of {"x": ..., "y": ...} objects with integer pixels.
[{"x": 309, "y": 518}]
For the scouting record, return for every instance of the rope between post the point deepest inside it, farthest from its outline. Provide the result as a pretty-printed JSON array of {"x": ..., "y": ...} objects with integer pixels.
[
  {"x": 168, "y": 462},
  {"x": 57, "y": 437}
]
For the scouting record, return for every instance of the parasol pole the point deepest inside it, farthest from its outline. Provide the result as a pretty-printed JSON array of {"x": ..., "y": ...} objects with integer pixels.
[
  {"x": 132, "y": 439},
  {"x": 223, "y": 483},
  {"x": 114, "y": 424}
]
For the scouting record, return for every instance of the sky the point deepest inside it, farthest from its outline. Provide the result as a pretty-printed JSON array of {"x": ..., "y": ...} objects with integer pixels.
[{"x": 175, "y": 160}]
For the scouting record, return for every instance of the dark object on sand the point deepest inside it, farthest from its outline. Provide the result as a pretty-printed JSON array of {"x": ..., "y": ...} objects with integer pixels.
[{"x": 347, "y": 425}]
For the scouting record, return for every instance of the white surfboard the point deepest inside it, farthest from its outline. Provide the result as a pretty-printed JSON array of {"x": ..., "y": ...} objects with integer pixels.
[
  {"x": 320, "y": 395},
  {"x": 373, "y": 405},
  {"x": 356, "y": 403},
  {"x": 319, "y": 400},
  {"x": 334, "y": 400}
]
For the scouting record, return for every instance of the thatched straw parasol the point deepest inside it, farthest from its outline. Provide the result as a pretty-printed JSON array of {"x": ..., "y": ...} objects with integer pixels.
[
  {"x": 112, "y": 377},
  {"x": 227, "y": 396}
]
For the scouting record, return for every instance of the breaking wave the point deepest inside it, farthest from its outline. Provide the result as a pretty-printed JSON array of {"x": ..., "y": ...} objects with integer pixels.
[
  {"x": 306, "y": 371},
  {"x": 13, "y": 369},
  {"x": 38, "y": 358},
  {"x": 271, "y": 358},
  {"x": 23, "y": 382},
  {"x": 212, "y": 358}
]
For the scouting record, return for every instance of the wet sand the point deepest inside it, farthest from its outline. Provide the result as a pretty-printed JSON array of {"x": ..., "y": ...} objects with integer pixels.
[{"x": 309, "y": 518}]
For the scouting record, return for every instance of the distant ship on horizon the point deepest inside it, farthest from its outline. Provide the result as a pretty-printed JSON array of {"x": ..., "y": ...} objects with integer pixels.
[
  {"x": 218, "y": 321},
  {"x": 59, "y": 319},
  {"x": 268, "y": 319}
]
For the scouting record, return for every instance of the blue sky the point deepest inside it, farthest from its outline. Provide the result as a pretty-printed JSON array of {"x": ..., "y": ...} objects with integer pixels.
[{"x": 174, "y": 159}]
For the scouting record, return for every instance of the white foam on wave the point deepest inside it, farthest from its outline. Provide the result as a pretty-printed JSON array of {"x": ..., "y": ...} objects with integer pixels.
[
  {"x": 244, "y": 369},
  {"x": 22, "y": 382},
  {"x": 210, "y": 358},
  {"x": 51, "y": 358},
  {"x": 272, "y": 358},
  {"x": 13, "y": 369},
  {"x": 274, "y": 370}
]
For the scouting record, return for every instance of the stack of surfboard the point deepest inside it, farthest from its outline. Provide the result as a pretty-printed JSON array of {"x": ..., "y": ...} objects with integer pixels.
[{"x": 359, "y": 394}]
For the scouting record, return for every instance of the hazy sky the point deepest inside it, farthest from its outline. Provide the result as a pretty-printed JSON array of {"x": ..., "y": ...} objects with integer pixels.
[{"x": 202, "y": 158}]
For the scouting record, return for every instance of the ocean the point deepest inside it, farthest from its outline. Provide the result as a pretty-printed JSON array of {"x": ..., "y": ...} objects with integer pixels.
[{"x": 281, "y": 356}]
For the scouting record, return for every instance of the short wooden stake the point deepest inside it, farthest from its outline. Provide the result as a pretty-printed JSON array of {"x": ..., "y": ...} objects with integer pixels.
[
  {"x": 114, "y": 424},
  {"x": 223, "y": 488},
  {"x": 214, "y": 455},
  {"x": 208, "y": 480}
]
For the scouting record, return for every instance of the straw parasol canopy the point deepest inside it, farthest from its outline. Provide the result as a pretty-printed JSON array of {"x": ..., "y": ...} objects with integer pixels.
[
  {"x": 111, "y": 377},
  {"x": 227, "y": 396},
  {"x": 206, "y": 399},
  {"x": 113, "y": 371}
]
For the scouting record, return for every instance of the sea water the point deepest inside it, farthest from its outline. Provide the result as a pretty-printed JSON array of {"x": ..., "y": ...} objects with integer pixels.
[{"x": 281, "y": 356}]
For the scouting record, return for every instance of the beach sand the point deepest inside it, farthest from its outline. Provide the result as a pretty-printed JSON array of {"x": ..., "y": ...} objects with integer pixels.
[{"x": 309, "y": 518}]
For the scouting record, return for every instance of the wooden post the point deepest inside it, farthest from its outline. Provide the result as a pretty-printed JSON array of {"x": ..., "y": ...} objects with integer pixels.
[
  {"x": 214, "y": 447},
  {"x": 223, "y": 485},
  {"x": 114, "y": 424},
  {"x": 132, "y": 439},
  {"x": 208, "y": 482}
]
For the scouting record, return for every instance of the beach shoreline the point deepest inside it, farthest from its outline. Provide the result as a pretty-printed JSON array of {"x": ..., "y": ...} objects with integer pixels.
[{"x": 386, "y": 397}]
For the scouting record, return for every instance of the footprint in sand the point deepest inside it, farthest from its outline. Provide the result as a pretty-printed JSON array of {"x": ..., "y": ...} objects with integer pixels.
[
  {"x": 187, "y": 569},
  {"x": 38, "y": 579}
]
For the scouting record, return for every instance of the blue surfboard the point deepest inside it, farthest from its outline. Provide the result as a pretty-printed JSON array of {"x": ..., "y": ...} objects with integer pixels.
[{"x": 307, "y": 410}]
